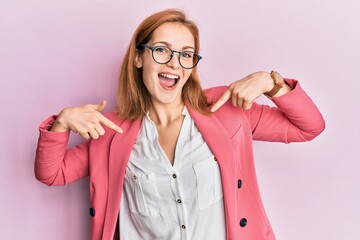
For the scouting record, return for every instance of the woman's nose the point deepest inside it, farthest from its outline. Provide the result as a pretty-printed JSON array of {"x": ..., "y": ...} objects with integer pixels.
[{"x": 174, "y": 62}]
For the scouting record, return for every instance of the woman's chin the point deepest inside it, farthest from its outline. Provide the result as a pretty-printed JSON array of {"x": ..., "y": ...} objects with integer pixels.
[{"x": 167, "y": 99}]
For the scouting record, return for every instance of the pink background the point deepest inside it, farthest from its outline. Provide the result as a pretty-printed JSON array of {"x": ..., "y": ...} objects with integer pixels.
[{"x": 55, "y": 54}]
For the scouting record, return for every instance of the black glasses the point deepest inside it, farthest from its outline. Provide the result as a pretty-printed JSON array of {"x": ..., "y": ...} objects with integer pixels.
[{"x": 164, "y": 54}]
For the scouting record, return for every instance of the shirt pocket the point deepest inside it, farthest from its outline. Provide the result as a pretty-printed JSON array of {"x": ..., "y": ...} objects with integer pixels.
[
  {"x": 208, "y": 180},
  {"x": 142, "y": 193}
]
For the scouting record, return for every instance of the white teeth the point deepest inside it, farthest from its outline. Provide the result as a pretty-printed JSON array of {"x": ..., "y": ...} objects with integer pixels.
[{"x": 169, "y": 76}]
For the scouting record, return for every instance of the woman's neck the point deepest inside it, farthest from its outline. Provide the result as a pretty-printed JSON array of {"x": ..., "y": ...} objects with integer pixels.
[{"x": 164, "y": 114}]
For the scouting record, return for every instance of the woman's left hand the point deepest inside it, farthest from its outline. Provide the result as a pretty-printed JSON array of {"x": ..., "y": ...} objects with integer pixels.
[{"x": 245, "y": 91}]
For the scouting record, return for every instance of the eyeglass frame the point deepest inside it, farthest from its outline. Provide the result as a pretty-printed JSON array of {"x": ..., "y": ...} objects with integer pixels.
[{"x": 172, "y": 55}]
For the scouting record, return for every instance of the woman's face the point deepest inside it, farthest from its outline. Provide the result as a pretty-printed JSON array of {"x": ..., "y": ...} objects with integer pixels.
[{"x": 165, "y": 81}]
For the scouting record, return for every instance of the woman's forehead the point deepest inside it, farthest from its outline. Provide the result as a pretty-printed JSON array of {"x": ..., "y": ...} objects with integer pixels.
[{"x": 175, "y": 35}]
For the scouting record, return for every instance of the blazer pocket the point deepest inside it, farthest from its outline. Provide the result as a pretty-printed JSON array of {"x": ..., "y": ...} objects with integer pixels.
[
  {"x": 142, "y": 193},
  {"x": 235, "y": 138},
  {"x": 208, "y": 179}
]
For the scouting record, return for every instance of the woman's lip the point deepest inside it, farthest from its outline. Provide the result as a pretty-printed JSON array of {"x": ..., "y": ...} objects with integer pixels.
[{"x": 164, "y": 83}]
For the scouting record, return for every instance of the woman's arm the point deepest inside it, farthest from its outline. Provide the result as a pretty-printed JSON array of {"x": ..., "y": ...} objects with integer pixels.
[
  {"x": 295, "y": 119},
  {"x": 54, "y": 164},
  {"x": 246, "y": 90}
]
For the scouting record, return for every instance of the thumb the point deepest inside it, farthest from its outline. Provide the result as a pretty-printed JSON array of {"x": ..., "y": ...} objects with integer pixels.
[{"x": 100, "y": 106}]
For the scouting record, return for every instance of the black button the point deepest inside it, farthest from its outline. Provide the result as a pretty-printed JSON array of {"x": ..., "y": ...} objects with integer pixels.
[
  {"x": 215, "y": 158},
  {"x": 179, "y": 200},
  {"x": 239, "y": 183},
  {"x": 243, "y": 222},
  {"x": 183, "y": 226},
  {"x": 174, "y": 175},
  {"x": 92, "y": 212}
]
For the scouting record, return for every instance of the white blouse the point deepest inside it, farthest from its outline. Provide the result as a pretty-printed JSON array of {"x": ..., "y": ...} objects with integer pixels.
[{"x": 161, "y": 201}]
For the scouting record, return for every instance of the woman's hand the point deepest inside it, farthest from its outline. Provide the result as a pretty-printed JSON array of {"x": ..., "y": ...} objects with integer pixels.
[
  {"x": 245, "y": 91},
  {"x": 84, "y": 120}
]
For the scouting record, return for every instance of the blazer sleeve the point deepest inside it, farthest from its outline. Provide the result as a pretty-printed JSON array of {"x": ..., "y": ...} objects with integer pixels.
[
  {"x": 54, "y": 163},
  {"x": 295, "y": 119}
]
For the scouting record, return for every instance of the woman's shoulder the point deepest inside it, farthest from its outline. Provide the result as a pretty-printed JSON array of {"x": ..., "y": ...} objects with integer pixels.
[
  {"x": 230, "y": 117},
  {"x": 114, "y": 117},
  {"x": 214, "y": 93}
]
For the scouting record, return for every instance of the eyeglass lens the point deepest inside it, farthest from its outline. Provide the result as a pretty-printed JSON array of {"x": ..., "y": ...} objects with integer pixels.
[{"x": 187, "y": 59}]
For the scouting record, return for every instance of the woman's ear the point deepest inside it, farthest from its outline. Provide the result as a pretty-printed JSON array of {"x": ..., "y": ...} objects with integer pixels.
[{"x": 138, "y": 60}]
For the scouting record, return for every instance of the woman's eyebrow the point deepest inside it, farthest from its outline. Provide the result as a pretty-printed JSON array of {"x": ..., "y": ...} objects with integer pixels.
[{"x": 169, "y": 45}]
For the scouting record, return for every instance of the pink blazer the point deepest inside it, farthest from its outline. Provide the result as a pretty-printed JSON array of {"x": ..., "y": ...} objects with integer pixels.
[{"x": 228, "y": 132}]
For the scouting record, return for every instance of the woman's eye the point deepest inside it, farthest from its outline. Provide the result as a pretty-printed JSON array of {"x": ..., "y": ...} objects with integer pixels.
[
  {"x": 161, "y": 50},
  {"x": 187, "y": 54}
]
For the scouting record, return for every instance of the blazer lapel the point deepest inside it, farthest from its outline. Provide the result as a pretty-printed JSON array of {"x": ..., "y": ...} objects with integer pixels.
[
  {"x": 120, "y": 150},
  {"x": 218, "y": 140}
]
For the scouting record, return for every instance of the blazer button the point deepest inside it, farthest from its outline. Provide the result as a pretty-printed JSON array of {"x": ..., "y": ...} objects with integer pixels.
[
  {"x": 239, "y": 183},
  {"x": 92, "y": 212},
  {"x": 243, "y": 222}
]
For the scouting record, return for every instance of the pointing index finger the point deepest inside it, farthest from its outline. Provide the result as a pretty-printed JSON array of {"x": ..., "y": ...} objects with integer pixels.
[
  {"x": 226, "y": 96},
  {"x": 110, "y": 124}
]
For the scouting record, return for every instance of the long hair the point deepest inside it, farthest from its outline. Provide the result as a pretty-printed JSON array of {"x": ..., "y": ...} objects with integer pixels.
[{"x": 133, "y": 99}]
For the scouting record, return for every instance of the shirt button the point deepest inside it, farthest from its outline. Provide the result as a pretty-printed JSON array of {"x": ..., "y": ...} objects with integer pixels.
[
  {"x": 92, "y": 212},
  {"x": 134, "y": 177},
  {"x": 243, "y": 222},
  {"x": 183, "y": 226},
  {"x": 239, "y": 183},
  {"x": 174, "y": 175},
  {"x": 179, "y": 200}
]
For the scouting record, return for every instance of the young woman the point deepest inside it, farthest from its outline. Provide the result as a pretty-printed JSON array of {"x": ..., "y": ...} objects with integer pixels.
[{"x": 174, "y": 161}]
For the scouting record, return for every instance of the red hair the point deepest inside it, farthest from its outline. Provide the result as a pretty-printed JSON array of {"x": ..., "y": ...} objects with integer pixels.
[{"x": 133, "y": 99}]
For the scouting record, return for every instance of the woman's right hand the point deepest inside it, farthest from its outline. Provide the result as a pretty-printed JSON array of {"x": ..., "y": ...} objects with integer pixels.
[{"x": 84, "y": 120}]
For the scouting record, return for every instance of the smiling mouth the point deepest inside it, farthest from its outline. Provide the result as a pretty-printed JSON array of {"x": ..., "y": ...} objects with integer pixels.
[{"x": 168, "y": 81}]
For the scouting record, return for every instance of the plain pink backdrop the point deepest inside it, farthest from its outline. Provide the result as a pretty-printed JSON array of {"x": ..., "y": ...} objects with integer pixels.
[{"x": 55, "y": 54}]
